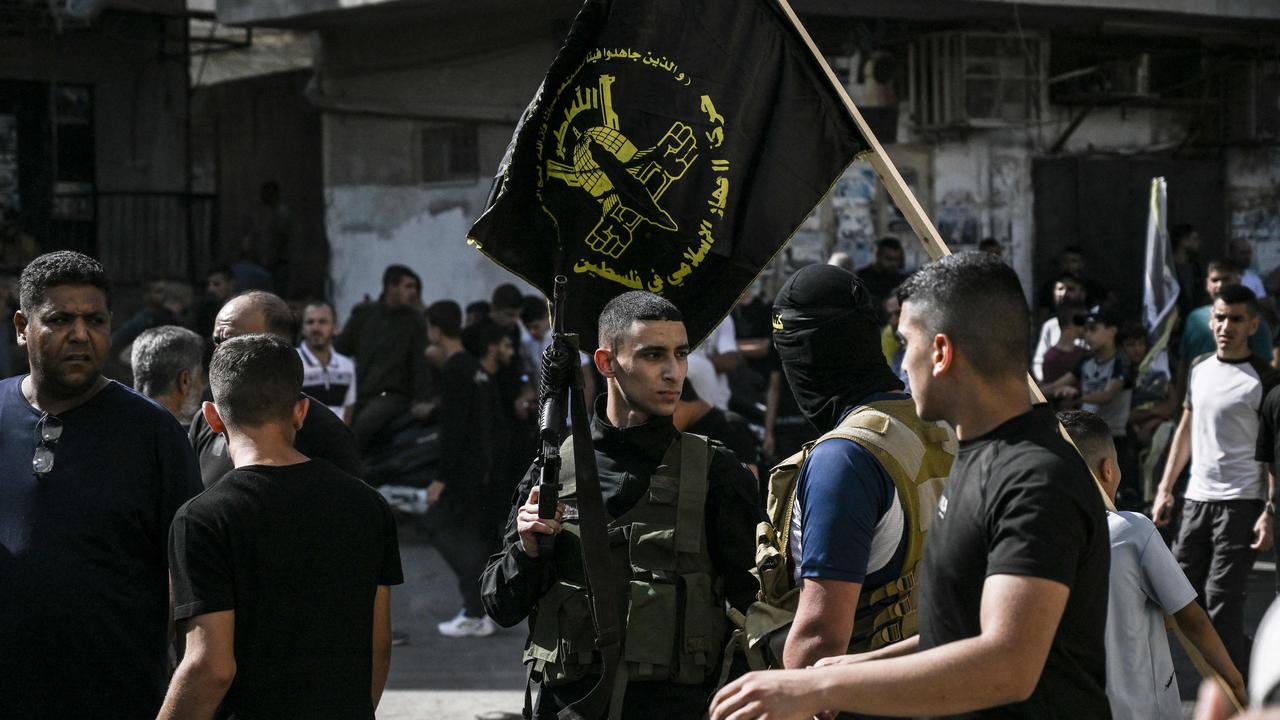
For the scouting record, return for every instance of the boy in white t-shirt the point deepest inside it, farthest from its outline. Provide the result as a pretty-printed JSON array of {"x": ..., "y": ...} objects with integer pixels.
[{"x": 1146, "y": 584}]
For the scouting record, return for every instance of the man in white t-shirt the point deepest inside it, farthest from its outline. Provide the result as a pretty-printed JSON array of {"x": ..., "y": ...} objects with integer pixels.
[
  {"x": 1224, "y": 519},
  {"x": 720, "y": 349},
  {"x": 1145, "y": 584},
  {"x": 327, "y": 375}
]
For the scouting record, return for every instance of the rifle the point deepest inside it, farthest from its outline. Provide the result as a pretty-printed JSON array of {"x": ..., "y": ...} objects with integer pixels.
[
  {"x": 558, "y": 362},
  {"x": 560, "y": 387}
]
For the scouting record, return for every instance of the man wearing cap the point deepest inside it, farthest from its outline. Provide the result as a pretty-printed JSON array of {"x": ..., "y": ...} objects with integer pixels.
[
  {"x": 857, "y": 522},
  {"x": 1103, "y": 383}
]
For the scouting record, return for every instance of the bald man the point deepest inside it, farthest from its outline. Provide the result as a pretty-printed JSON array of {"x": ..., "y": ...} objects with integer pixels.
[{"x": 323, "y": 434}]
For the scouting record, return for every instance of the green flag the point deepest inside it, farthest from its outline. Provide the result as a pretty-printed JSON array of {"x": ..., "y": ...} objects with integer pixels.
[{"x": 674, "y": 147}]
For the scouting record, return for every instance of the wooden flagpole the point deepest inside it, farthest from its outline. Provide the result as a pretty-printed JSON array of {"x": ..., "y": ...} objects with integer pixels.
[
  {"x": 884, "y": 167},
  {"x": 936, "y": 248},
  {"x": 898, "y": 190}
]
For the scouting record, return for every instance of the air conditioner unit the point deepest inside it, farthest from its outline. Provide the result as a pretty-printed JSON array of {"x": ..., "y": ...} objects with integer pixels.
[{"x": 976, "y": 79}]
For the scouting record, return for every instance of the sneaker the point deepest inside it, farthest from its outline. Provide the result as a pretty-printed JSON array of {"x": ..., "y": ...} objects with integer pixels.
[{"x": 464, "y": 626}]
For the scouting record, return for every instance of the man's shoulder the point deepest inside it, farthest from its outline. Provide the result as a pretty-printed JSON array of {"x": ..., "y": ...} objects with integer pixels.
[
  {"x": 344, "y": 362},
  {"x": 1129, "y": 528},
  {"x": 840, "y": 462},
  {"x": 721, "y": 461},
  {"x": 837, "y": 450},
  {"x": 1199, "y": 361},
  {"x": 1038, "y": 452},
  {"x": 11, "y": 391},
  {"x": 325, "y": 472},
  {"x": 462, "y": 368},
  {"x": 320, "y": 417},
  {"x": 120, "y": 398}
]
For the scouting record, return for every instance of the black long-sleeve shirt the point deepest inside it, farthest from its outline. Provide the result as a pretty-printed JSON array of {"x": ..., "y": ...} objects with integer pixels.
[
  {"x": 389, "y": 347},
  {"x": 513, "y": 582},
  {"x": 473, "y": 428}
]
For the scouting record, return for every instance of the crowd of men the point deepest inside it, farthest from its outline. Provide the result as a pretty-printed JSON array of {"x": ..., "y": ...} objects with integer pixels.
[{"x": 928, "y": 542}]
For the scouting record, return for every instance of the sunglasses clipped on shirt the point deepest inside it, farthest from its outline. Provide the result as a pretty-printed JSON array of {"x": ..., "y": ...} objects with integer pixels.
[{"x": 48, "y": 430}]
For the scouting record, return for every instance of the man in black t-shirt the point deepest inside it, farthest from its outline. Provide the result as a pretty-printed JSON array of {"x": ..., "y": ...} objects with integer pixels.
[
  {"x": 323, "y": 435},
  {"x": 1013, "y": 584},
  {"x": 281, "y": 572},
  {"x": 469, "y": 499}
]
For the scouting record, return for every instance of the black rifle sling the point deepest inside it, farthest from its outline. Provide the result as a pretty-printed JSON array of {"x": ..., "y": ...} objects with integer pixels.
[{"x": 595, "y": 562}]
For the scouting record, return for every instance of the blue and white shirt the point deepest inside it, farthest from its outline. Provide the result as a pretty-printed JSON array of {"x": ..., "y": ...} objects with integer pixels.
[{"x": 847, "y": 523}]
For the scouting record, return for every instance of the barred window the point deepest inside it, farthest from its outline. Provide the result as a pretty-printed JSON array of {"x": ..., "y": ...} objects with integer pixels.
[{"x": 450, "y": 152}]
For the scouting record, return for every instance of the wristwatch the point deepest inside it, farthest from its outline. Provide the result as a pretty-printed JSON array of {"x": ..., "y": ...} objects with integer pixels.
[{"x": 1270, "y": 508}]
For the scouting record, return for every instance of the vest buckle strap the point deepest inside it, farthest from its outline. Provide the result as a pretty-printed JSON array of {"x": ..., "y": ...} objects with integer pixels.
[{"x": 891, "y": 634}]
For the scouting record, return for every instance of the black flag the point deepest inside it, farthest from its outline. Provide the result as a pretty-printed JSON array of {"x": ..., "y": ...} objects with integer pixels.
[{"x": 674, "y": 147}]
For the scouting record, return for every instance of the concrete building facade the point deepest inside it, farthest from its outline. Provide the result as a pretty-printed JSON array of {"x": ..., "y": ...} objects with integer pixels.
[
  {"x": 1037, "y": 123},
  {"x": 94, "y": 150}
]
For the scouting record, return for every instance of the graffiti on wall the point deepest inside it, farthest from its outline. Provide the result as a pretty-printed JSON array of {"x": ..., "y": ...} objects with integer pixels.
[{"x": 959, "y": 218}]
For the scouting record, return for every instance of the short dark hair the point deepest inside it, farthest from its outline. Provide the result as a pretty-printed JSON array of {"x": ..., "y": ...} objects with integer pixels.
[
  {"x": 1238, "y": 295},
  {"x": 395, "y": 273},
  {"x": 506, "y": 296},
  {"x": 276, "y": 313},
  {"x": 977, "y": 301},
  {"x": 1222, "y": 265},
  {"x": 255, "y": 379},
  {"x": 445, "y": 316},
  {"x": 620, "y": 312},
  {"x": 1090, "y": 433},
  {"x": 64, "y": 267},
  {"x": 318, "y": 304},
  {"x": 889, "y": 243},
  {"x": 1131, "y": 330},
  {"x": 988, "y": 242},
  {"x": 480, "y": 337},
  {"x": 224, "y": 270},
  {"x": 1069, "y": 277},
  {"x": 1071, "y": 250},
  {"x": 480, "y": 307},
  {"x": 533, "y": 309},
  {"x": 159, "y": 356}
]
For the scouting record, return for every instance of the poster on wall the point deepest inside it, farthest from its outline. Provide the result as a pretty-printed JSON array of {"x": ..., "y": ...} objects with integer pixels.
[
  {"x": 853, "y": 202},
  {"x": 915, "y": 164}
]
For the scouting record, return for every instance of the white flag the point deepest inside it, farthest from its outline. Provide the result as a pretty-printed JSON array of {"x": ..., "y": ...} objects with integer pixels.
[{"x": 1160, "y": 283}]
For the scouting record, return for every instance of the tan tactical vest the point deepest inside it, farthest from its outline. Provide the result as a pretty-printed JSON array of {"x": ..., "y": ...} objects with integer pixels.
[
  {"x": 673, "y": 600},
  {"x": 917, "y": 455}
]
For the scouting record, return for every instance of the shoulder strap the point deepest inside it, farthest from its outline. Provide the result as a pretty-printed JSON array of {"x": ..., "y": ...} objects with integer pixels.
[
  {"x": 695, "y": 461},
  {"x": 875, "y": 429}
]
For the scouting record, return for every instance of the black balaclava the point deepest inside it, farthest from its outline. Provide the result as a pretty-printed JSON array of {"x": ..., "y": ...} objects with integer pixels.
[{"x": 827, "y": 335}]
